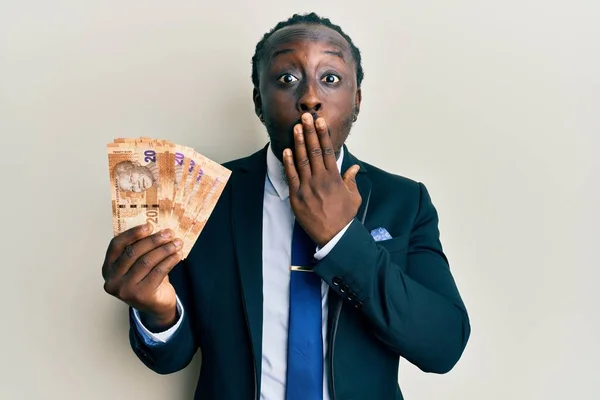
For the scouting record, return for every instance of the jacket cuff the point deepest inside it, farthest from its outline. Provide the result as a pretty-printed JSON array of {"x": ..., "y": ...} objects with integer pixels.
[{"x": 345, "y": 269}]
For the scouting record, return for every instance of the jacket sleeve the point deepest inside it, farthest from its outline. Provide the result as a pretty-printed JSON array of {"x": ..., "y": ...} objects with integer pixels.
[
  {"x": 177, "y": 352},
  {"x": 407, "y": 293}
]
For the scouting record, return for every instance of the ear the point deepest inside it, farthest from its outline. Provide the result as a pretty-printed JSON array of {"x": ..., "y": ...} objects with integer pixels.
[
  {"x": 257, "y": 102},
  {"x": 357, "y": 100}
]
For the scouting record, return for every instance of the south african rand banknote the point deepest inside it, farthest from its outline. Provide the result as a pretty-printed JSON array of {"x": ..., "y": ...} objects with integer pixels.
[
  {"x": 208, "y": 184},
  {"x": 209, "y": 203},
  {"x": 188, "y": 168},
  {"x": 160, "y": 158},
  {"x": 204, "y": 186}
]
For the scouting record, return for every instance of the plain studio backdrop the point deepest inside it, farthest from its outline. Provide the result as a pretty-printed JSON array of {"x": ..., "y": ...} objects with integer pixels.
[{"x": 494, "y": 105}]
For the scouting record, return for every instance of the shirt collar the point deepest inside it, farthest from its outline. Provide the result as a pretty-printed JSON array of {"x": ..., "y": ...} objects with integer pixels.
[{"x": 276, "y": 173}]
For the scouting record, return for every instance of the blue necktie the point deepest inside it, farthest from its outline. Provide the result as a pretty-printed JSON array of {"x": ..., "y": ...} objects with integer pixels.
[{"x": 305, "y": 343}]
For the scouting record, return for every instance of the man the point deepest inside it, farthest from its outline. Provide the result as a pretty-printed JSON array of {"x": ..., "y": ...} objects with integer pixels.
[{"x": 316, "y": 272}]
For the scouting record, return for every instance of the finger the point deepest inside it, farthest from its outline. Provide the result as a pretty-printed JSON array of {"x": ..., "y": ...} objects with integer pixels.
[
  {"x": 302, "y": 161},
  {"x": 350, "y": 178},
  {"x": 138, "y": 249},
  {"x": 313, "y": 147},
  {"x": 326, "y": 145},
  {"x": 157, "y": 274},
  {"x": 150, "y": 260},
  {"x": 290, "y": 171},
  {"x": 118, "y": 244}
]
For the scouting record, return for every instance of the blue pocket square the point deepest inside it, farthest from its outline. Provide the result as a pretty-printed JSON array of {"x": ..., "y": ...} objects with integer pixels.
[{"x": 380, "y": 234}]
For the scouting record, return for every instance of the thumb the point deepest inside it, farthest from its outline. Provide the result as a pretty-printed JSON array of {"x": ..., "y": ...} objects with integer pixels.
[{"x": 350, "y": 178}]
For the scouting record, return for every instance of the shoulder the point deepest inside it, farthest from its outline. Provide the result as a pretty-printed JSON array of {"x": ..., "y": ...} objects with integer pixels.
[
  {"x": 237, "y": 164},
  {"x": 252, "y": 161},
  {"x": 392, "y": 184},
  {"x": 398, "y": 191},
  {"x": 398, "y": 201}
]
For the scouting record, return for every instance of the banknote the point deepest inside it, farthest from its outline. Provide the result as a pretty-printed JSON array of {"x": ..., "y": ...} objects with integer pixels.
[
  {"x": 163, "y": 152},
  {"x": 181, "y": 159},
  {"x": 135, "y": 184},
  {"x": 201, "y": 188},
  {"x": 166, "y": 184},
  {"x": 192, "y": 234},
  {"x": 191, "y": 167},
  {"x": 204, "y": 191}
]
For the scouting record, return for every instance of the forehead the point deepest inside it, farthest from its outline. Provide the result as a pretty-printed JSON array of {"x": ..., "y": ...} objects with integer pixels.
[{"x": 306, "y": 36}]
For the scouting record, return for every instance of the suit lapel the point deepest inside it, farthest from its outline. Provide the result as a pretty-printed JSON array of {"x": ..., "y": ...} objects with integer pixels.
[
  {"x": 247, "y": 210},
  {"x": 362, "y": 181},
  {"x": 364, "y": 185}
]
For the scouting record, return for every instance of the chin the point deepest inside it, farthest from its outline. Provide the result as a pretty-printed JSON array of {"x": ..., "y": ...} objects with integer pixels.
[
  {"x": 279, "y": 145},
  {"x": 278, "y": 151}
]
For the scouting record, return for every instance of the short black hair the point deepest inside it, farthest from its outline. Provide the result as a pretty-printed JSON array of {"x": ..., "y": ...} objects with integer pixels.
[{"x": 314, "y": 19}]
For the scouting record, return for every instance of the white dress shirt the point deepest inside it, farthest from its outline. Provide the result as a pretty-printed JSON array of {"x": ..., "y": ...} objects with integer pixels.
[{"x": 278, "y": 224}]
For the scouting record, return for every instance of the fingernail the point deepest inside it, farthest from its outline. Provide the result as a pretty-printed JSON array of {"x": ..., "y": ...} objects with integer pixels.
[
  {"x": 145, "y": 227},
  {"x": 178, "y": 243},
  {"x": 320, "y": 123},
  {"x": 166, "y": 233},
  {"x": 287, "y": 153},
  {"x": 306, "y": 117}
]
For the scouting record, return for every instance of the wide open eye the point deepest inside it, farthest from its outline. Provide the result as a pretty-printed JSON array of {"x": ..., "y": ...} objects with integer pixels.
[
  {"x": 330, "y": 78},
  {"x": 287, "y": 78}
]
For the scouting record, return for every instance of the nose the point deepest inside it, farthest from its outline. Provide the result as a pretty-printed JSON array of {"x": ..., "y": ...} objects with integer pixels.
[{"x": 309, "y": 100}]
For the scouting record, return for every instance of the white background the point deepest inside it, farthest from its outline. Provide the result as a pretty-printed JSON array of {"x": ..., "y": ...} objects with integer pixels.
[{"x": 494, "y": 105}]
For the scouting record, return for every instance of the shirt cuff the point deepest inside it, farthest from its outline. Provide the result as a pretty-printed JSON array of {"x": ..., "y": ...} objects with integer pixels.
[
  {"x": 155, "y": 339},
  {"x": 322, "y": 253}
]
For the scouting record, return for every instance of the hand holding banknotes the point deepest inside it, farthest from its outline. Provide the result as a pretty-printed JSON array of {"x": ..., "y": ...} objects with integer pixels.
[
  {"x": 136, "y": 269},
  {"x": 162, "y": 196}
]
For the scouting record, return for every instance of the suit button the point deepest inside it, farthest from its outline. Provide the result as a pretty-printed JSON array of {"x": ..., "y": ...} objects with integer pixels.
[
  {"x": 352, "y": 296},
  {"x": 344, "y": 289},
  {"x": 358, "y": 304},
  {"x": 336, "y": 280}
]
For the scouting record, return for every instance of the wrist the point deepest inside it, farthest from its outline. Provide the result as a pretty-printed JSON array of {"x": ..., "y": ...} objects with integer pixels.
[
  {"x": 327, "y": 237},
  {"x": 159, "y": 322}
]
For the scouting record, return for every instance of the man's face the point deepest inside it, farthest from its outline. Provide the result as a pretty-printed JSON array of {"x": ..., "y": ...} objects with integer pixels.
[
  {"x": 136, "y": 181},
  {"x": 306, "y": 68}
]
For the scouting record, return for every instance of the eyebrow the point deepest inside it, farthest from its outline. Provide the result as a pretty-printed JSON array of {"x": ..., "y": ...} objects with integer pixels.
[
  {"x": 335, "y": 53},
  {"x": 287, "y": 51},
  {"x": 280, "y": 52}
]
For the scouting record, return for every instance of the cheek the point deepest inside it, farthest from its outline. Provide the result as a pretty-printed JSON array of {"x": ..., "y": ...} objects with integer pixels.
[
  {"x": 147, "y": 182},
  {"x": 339, "y": 120},
  {"x": 338, "y": 101},
  {"x": 338, "y": 115},
  {"x": 137, "y": 180},
  {"x": 124, "y": 182},
  {"x": 280, "y": 103}
]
